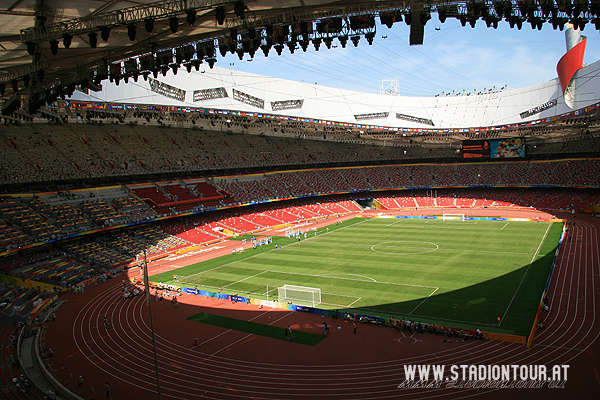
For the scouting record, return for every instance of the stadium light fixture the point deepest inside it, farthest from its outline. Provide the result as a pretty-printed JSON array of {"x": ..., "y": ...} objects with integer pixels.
[
  {"x": 355, "y": 40},
  {"x": 220, "y": 15},
  {"x": 291, "y": 47},
  {"x": 190, "y": 17},
  {"x": 328, "y": 41},
  {"x": 265, "y": 49},
  {"x": 200, "y": 53},
  {"x": 149, "y": 25},
  {"x": 104, "y": 33},
  {"x": 343, "y": 40},
  {"x": 239, "y": 8},
  {"x": 304, "y": 27},
  {"x": 210, "y": 50},
  {"x": 317, "y": 43},
  {"x": 442, "y": 15},
  {"x": 131, "y": 32},
  {"x": 54, "y": 47},
  {"x": 93, "y": 37},
  {"x": 370, "y": 36},
  {"x": 31, "y": 46},
  {"x": 67, "y": 40},
  {"x": 173, "y": 24}
]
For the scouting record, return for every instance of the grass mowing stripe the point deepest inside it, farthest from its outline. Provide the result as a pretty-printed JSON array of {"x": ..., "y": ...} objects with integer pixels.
[{"x": 275, "y": 332}]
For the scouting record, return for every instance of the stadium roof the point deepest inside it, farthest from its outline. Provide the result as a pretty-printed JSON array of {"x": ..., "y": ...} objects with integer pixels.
[{"x": 31, "y": 31}]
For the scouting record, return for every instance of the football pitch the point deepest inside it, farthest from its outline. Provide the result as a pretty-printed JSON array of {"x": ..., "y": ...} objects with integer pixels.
[{"x": 460, "y": 273}]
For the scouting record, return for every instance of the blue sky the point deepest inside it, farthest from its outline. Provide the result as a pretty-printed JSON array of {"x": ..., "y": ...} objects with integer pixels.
[{"x": 452, "y": 58}]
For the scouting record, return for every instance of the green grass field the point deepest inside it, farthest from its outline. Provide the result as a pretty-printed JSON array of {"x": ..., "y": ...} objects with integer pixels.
[{"x": 460, "y": 273}]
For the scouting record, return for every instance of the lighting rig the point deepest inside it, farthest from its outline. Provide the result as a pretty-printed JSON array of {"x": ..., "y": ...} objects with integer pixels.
[{"x": 247, "y": 33}]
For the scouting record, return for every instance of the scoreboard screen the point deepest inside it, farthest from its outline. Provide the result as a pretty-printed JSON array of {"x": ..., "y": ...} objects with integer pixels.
[{"x": 499, "y": 148}]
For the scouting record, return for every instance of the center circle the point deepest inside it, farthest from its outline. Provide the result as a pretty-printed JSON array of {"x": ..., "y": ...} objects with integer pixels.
[{"x": 404, "y": 247}]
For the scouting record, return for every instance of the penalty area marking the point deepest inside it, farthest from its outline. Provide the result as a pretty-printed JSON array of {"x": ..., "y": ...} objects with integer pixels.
[
  {"x": 333, "y": 276},
  {"x": 424, "y": 249},
  {"x": 350, "y": 279}
]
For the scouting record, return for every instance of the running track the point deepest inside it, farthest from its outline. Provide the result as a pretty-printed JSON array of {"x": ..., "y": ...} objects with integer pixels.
[{"x": 366, "y": 365}]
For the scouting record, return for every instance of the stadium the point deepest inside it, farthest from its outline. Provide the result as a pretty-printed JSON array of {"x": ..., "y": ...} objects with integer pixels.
[{"x": 172, "y": 228}]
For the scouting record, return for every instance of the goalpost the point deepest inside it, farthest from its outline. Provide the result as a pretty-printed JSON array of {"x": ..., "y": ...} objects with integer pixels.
[
  {"x": 453, "y": 217},
  {"x": 299, "y": 294}
]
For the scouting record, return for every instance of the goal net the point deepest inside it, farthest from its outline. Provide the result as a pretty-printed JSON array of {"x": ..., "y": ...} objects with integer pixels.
[
  {"x": 453, "y": 217},
  {"x": 299, "y": 294}
]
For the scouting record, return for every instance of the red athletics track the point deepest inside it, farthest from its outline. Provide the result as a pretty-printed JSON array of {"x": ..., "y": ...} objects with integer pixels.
[{"x": 367, "y": 365}]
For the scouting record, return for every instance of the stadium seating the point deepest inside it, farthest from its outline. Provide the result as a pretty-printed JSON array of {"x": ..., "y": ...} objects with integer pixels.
[
  {"x": 406, "y": 199},
  {"x": 530, "y": 196},
  {"x": 465, "y": 198},
  {"x": 485, "y": 198},
  {"x": 443, "y": 175},
  {"x": 399, "y": 177},
  {"x": 490, "y": 174},
  {"x": 588, "y": 175},
  {"x": 507, "y": 197},
  {"x": 468, "y": 174},
  {"x": 387, "y": 201},
  {"x": 575, "y": 200}
]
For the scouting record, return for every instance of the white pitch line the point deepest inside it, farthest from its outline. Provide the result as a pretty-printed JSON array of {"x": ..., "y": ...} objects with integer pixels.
[
  {"x": 439, "y": 227},
  {"x": 525, "y": 274},
  {"x": 362, "y": 276},
  {"x": 350, "y": 279},
  {"x": 486, "y": 251},
  {"x": 248, "y": 277},
  {"x": 504, "y": 226},
  {"x": 424, "y": 300},
  {"x": 394, "y": 223},
  {"x": 340, "y": 295},
  {"x": 350, "y": 305}
]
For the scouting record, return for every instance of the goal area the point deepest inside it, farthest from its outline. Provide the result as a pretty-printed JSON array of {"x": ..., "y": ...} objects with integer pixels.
[
  {"x": 301, "y": 295},
  {"x": 453, "y": 217}
]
